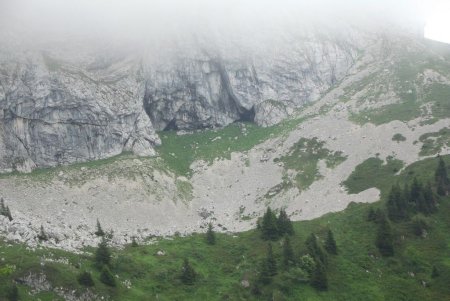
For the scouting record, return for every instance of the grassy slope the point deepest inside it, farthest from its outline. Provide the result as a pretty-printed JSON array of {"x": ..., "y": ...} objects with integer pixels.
[
  {"x": 357, "y": 273},
  {"x": 179, "y": 152},
  {"x": 404, "y": 79}
]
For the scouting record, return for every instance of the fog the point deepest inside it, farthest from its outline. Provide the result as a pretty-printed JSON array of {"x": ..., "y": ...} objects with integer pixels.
[{"x": 151, "y": 22}]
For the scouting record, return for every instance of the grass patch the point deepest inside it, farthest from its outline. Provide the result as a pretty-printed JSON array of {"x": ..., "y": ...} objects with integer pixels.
[
  {"x": 434, "y": 142},
  {"x": 180, "y": 151},
  {"x": 304, "y": 157},
  {"x": 373, "y": 172}
]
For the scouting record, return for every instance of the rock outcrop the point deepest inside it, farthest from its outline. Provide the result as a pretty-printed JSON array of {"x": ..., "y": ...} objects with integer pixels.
[{"x": 65, "y": 106}]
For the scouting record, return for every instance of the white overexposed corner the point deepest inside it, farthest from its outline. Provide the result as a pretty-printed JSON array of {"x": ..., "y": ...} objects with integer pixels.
[{"x": 437, "y": 26}]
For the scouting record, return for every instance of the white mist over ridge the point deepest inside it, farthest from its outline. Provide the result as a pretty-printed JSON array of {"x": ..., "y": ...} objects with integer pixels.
[{"x": 152, "y": 23}]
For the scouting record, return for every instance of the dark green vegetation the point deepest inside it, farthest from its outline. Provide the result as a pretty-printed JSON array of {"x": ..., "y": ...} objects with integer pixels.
[
  {"x": 434, "y": 142},
  {"x": 398, "y": 138},
  {"x": 373, "y": 172},
  {"x": 304, "y": 157},
  {"x": 418, "y": 269}
]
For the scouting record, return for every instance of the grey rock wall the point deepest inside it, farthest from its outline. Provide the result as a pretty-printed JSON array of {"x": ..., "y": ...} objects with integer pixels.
[{"x": 78, "y": 105}]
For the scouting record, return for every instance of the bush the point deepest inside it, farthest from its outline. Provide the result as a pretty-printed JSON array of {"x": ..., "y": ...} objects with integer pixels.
[
  {"x": 107, "y": 277},
  {"x": 85, "y": 279}
]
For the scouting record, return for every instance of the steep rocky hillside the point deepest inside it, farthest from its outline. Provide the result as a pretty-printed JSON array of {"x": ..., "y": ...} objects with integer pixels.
[
  {"x": 387, "y": 101},
  {"x": 69, "y": 103}
]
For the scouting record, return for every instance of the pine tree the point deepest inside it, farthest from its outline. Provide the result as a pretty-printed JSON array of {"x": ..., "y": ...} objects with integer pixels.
[
  {"x": 385, "y": 238},
  {"x": 42, "y": 235},
  {"x": 271, "y": 262},
  {"x": 428, "y": 202},
  {"x": 99, "y": 231},
  {"x": 85, "y": 279},
  {"x": 2, "y": 206},
  {"x": 210, "y": 235},
  {"x": 284, "y": 224},
  {"x": 107, "y": 277},
  {"x": 264, "y": 274},
  {"x": 13, "y": 294},
  {"x": 102, "y": 254},
  {"x": 416, "y": 193},
  {"x": 319, "y": 279},
  {"x": 315, "y": 250},
  {"x": 8, "y": 213},
  {"x": 134, "y": 243},
  {"x": 188, "y": 274},
  {"x": 269, "y": 225},
  {"x": 330, "y": 243},
  {"x": 288, "y": 253},
  {"x": 442, "y": 179},
  {"x": 396, "y": 204}
]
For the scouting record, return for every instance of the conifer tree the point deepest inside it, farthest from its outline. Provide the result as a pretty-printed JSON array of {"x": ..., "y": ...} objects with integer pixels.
[
  {"x": 442, "y": 179},
  {"x": 188, "y": 274},
  {"x": 396, "y": 204},
  {"x": 315, "y": 250},
  {"x": 330, "y": 243},
  {"x": 271, "y": 262},
  {"x": 134, "y": 242},
  {"x": 264, "y": 274},
  {"x": 416, "y": 193},
  {"x": 99, "y": 231},
  {"x": 210, "y": 235},
  {"x": 102, "y": 254},
  {"x": 269, "y": 225},
  {"x": 284, "y": 224},
  {"x": 288, "y": 253},
  {"x": 428, "y": 202},
  {"x": 13, "y": 294},
  {"x": 107, "y": 277},
  {"x": 385, "y": 238},
  {"x": 8, "y": 213},
  {"x": 42, "y": 235},
  {"x": 85, "y": 279},
  {"x": 319, "y": 279},
  {"x": 2, "y": 206}
]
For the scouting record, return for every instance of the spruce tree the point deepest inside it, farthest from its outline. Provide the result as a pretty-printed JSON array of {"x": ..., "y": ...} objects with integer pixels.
[
  {"x": 210, "y": 235},
  {"x": 416, "y": 193},
  {"x": 8, "y": 213},
  {"x": 385, "y": 238},
  {"x": 264, "y": 274},
  {"x": 42, "y": 235},
  {"x": 428, "y": 204},
  {"x": 102, "y": 254},
  {"x": 396, "y": 204},
  {"x": 330, "y": 243},
  {"x": 107, "y": 277},
  {"x": 284, "y": 224},
  {"x": 2, "y": 206},
  {"x": 442, "y": 179},
  {"x": 319, "y": 279},
  {"x": 188, "y": 274},
  {"x": 13, "y": 294},
  {"x": 99, "y": 231},
  {"x": 288, "y": 253},
  {"x": 85, "y": 279},
  {"x": 269, "y": 225},
  {"x": 315, "y": 250},
  {"x": 134, "y": 243},
  {"x": 271, "y": 262}
]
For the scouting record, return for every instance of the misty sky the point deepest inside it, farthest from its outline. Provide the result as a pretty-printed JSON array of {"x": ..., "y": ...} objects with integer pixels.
[{"x": 153, "y": 20}]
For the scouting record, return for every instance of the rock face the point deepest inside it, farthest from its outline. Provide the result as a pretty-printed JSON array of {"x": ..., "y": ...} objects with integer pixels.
[
  {"x": 261, "y": 84},
  {"x": 54, "y": 111},
  {"x": 65, "y": 107}
]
